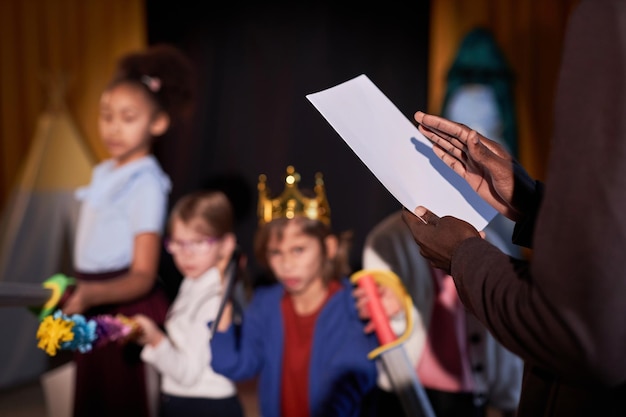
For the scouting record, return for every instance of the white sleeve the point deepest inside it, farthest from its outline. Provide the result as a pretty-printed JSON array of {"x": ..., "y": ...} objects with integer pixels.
[
  {"x": 185, "y": 358},
  {"x": 147, "y": 205}
]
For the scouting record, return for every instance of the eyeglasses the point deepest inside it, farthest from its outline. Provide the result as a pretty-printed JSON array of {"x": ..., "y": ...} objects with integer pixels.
[{"x": 195, "y": 246}]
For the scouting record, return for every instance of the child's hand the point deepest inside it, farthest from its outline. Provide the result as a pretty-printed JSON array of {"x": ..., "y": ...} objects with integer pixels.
[
  {"x": 75, "y": 303},
  {"x": 390, "y": 301},
  {"x": 149, "y": 333}
]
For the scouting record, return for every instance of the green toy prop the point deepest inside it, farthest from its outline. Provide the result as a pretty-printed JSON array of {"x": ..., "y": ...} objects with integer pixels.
[{"x": 57, "y": 284}]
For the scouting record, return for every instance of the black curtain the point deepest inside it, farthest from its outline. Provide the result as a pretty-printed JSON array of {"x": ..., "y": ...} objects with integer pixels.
[{"x": 255, "y": 63}]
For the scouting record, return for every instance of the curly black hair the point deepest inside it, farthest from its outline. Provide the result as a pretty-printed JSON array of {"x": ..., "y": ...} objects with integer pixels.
[{"x": 165, "y": 72}]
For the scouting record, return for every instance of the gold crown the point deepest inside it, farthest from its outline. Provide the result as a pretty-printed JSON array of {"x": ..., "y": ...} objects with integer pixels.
[{"x": 291, "y": 202}]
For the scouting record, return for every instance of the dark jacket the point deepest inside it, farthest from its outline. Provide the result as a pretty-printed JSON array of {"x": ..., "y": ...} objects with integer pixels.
[{"x": 564, "y": 312}]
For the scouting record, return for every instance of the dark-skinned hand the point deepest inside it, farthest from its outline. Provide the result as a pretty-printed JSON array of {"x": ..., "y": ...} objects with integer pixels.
[
  {"x": 438, "y": 238},
  {"x": 485, "y": 164}
]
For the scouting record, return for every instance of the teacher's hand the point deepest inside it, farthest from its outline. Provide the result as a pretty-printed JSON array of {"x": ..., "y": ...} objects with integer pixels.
[
  {"x": 485, "y": 164},
  {"x": 438, "y": 238}
]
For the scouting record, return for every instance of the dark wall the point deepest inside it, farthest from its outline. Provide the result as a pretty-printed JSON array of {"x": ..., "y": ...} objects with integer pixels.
[{"x": 255, "y": 64}]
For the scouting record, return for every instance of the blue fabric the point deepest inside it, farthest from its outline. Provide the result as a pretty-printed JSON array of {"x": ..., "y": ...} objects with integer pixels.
[
  {"x": 340, "y": 374},
  {"x": 118, "y": 204}
]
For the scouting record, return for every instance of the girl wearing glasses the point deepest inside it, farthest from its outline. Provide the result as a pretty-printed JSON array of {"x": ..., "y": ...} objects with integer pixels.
[{"x": 201, "y": 241}]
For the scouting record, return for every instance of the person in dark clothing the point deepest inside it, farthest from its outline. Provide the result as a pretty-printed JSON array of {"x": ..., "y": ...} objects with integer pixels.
[{"x": 562, "y": 311}]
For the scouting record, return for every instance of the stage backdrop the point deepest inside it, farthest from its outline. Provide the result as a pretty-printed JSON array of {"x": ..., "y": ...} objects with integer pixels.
[{"x": 256, "y": 64}]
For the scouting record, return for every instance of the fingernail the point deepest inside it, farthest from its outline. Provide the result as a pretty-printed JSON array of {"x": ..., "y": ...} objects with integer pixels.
[{"x": 419, "y": 211}]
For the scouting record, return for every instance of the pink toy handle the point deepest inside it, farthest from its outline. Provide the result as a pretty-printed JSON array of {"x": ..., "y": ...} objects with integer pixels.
[{"x": 381, "y": 322}]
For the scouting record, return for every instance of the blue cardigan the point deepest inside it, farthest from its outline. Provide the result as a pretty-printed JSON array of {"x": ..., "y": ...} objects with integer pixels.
[{"x": 340, "y": 374}]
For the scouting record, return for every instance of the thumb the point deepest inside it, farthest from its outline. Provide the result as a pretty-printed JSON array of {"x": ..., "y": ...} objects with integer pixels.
[{"x": 426, "y": 215}]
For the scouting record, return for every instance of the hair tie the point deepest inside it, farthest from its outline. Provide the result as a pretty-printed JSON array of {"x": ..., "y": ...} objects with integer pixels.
[{"x": 153, "y": 83}]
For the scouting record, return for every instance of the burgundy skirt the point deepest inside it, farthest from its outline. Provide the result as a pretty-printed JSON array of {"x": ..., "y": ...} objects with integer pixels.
[{"x": 111, "y": 379}]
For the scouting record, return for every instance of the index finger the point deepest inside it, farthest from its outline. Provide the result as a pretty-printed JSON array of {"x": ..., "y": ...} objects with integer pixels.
[{"x": 444, "y": 128}]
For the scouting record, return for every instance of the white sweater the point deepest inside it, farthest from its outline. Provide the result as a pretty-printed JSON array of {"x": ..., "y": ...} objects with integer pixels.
[{"x": 183, "y": 358}]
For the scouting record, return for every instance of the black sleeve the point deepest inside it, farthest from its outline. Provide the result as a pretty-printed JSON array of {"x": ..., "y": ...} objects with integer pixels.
[{"x": 523, "y": 232}]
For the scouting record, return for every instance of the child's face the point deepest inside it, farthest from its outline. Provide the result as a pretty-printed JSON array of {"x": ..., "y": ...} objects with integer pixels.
[
  {"x": 194, "y": 253},
  {"x": 127, "y": 122},
  {"x": 296, "y": 260}
]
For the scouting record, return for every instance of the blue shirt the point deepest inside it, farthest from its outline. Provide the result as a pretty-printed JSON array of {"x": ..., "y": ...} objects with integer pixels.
[{"x": 118, "y": 204}]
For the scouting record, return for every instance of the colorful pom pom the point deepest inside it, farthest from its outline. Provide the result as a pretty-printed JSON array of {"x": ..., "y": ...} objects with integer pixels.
[
  {"x": 84, "y": 334},
  {"x": 76, "y": 333},
  {"x": 53, "y": 331}
]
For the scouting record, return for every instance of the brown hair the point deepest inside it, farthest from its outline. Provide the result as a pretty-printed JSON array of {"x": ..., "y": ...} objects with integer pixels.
[
  {"x": 208, "y": 212},
  {"x": 164, "y": 73},
  {"x": 334, "y": 268}
]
